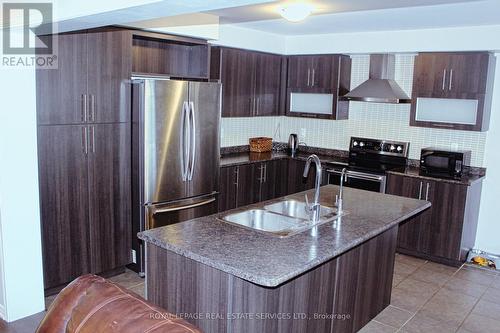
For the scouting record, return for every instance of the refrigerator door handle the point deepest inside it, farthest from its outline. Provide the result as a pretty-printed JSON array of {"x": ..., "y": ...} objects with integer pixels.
[
  {"x": 155, "y": 211},
  {"x": 184, "y": 142},
  {"x": 192, "y": 141}
]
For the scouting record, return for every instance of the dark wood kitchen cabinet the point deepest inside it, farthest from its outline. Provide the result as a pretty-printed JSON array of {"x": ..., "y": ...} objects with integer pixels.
[
  {"x": 250, "y": 183},
  {"x": 447, "y": 231},
  {"x": 84, "y": 156},
  {"x": 458, "y": 76},
  {"x": 319, "y": 74},
  {"x": 109, "y": 196},
  {"x": 91, "y": 83},
  {"x": 84, "y": 173},
  {"x": 64, "y": 196},
  {"x": 295, "y": 180},
  {"x": 251, "y": 81}
]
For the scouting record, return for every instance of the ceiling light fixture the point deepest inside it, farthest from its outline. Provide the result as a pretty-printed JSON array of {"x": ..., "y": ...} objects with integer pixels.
[{"x": 295, "y": 12}]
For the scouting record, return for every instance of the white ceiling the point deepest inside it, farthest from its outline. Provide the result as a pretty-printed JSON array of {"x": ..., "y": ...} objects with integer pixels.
[{"x": 341, "y": 16}]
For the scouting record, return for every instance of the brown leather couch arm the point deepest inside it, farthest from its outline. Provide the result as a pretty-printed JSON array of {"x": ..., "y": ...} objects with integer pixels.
[{"x": 92, "y": 304}]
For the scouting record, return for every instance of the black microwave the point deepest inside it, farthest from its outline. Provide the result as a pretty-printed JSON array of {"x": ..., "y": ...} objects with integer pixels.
[{"x": 443, "y": 163}]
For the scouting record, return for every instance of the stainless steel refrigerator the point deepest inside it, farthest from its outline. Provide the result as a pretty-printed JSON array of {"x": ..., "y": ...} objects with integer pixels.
[{"x": 175, "y": 153}]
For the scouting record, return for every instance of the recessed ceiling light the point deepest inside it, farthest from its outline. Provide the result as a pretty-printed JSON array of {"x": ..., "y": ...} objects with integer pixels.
[{"x": 295, "y": 12}]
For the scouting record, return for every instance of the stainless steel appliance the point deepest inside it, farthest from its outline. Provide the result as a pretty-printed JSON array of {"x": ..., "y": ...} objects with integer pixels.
[
  {"x": 175, "y": 153},
  {"x": 380, "y": 86},
  {"x": 369, "y": 159},
  {"x": 443, "y": 163},
  {"x": 293, "y": 144}
]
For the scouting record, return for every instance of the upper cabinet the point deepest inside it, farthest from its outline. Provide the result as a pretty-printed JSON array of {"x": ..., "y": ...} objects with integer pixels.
[
  {"x": 453, "y": 90},
  {"x": 91, "y": 83},
  {"x": 168, "y": 55},
  {"x": 314, "y": 84},
  {"x": 251, "y": 81}
]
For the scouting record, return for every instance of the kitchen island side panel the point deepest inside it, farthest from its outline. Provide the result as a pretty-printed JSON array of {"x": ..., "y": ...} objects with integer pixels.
[{"x": 340, "y": 295}]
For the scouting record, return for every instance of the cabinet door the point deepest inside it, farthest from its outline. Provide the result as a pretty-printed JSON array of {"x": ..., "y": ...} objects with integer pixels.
[
  {"x": 268, "y": 178},
  {"x": 467, "y": 73},
  {"x": 448, "y": 202},
  {"x": 267, "y": 84},
  {"x": 324, "y": 70},
  {"x": 431, "y": 74},
  {"x": 62, "y": 162},
  {"x": 110, "y": 195},
  {"x": 247, "y": 192},
  {"x": 413, "y": 234},
  {"x": 109, "y": 71},
  {"x": 297, "y": 183},
  {"x": 61, "y": 92},
  {"x": 228, "y": 188},
  {"x": 238, "y": 77},
  {"x": 299, "y": 71}
]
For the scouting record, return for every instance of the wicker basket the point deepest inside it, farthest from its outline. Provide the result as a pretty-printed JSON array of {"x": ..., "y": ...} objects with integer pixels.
[{"x": 260, "y": 145}]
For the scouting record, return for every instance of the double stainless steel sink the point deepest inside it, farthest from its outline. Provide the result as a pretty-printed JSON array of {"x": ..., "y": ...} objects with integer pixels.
[{"x": 281, "y": 219}]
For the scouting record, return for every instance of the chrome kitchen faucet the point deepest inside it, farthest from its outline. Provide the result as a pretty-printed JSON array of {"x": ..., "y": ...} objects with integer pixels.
[{"x": 315, "y": 207}]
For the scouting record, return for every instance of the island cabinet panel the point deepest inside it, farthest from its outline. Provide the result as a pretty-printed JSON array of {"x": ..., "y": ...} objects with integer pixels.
[
  {"x": 340, "y": 295},
  {"x": 445, "y": 232}
]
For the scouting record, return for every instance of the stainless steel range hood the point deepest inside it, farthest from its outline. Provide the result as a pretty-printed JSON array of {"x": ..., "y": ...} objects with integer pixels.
[{"x": 381, "y": 86}]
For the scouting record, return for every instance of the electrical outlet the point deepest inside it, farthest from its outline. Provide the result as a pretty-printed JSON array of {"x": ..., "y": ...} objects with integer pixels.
[
  {"x": 303, "y": 133},
  {"x": 134, "y": 257}
]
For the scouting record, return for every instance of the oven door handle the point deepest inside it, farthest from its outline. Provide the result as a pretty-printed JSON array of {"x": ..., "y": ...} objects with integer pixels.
[{"x": 359, "y": 175}]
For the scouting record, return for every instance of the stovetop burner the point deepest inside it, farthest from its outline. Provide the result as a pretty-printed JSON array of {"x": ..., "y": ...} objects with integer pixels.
[{"x": 376, "y": 156}]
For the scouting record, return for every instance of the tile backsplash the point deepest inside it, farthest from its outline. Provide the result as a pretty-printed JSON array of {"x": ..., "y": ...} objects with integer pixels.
[{"x": 372, "y": 120}]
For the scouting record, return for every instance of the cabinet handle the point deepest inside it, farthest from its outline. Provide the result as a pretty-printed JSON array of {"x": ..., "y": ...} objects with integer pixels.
[
  {"x": 92, "y": 107},
  {"x": 92, "y": 139},
  {"x": 85, "y": 148},
  {"x": 237, "y": 174},
  {"x": 451, "y": 79},
  {"x": 444, "y": 79},
  {"x": 427, "y": 192},
  {"x": 420, "y": 191},
  {"x": 308, "y": 76},
  {"x": 444, "y": 125},
  {"x": 265, "y": 173},
  {"x": 83, "y": 115},
  {"x": 312, "y": 80},
  {"x": 257, "y": 107}
]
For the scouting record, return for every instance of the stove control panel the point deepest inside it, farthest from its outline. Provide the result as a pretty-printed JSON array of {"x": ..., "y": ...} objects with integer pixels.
[{"x": 383, "y": 147}]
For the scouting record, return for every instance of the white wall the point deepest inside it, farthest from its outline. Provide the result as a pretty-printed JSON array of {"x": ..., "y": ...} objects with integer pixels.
[
  {"x": 19, "y": 206},
  {"x": 233, "y": 36},
  {"x": 448, "y": 39},
  {"x": 488, "y": 234}
]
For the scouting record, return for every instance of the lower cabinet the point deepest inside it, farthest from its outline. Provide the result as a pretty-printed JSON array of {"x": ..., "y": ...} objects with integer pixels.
[
  {"x": 446, "y": 231},
  {"x": 250, "y": 183},
  {"x": 84, "y": 173}
]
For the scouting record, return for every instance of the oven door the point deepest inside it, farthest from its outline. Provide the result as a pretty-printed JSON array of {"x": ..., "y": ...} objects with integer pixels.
[{"x": 360, "y": 180}]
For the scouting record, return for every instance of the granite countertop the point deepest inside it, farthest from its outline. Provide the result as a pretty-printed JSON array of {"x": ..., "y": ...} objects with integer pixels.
[
  {"x": 270, "y": 261},
  {"x": 234, "y": 159},
  {"x": 468, "y": 178}
]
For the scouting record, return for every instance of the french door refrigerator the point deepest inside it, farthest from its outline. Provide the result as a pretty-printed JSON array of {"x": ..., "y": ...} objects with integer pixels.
[{"x": 175, "y": 153}]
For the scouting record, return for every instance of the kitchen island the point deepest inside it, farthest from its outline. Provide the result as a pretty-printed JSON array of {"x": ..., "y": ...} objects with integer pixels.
[{"x": 333, "y": 278}]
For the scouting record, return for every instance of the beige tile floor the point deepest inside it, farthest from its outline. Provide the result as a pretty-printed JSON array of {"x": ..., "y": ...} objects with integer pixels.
[
  {"x": 426, "y": 298},
  {"x": 429, "y": 297}
]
